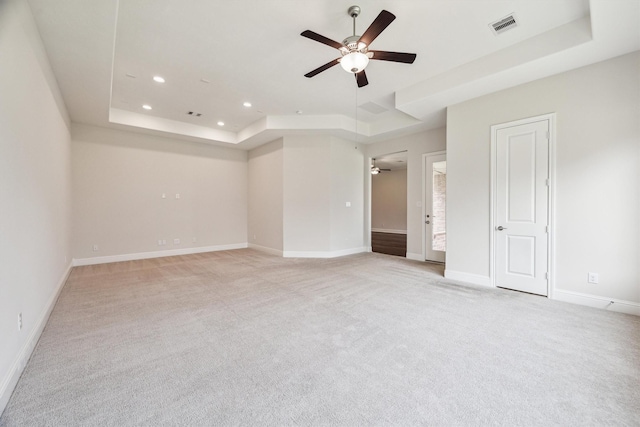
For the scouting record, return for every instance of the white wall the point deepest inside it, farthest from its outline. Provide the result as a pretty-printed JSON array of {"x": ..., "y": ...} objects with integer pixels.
[
  {"x": 321, "y": 175},
  {"x": 389, "y": 200},
  {"x": 347, "y": 185},
  {"x": 415, "y": 145},
  {"x": 118, "y": 181},
  {"x": 597, "y": 176},
  {"x": 299, "y": 187},
  {"x": 35, "y": 191},
  {"x": 307, "y": 193},
  {"x": 266, "y": 196}
]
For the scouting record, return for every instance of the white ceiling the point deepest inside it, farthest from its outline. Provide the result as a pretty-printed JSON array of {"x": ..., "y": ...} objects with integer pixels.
[
  {"x": 393, "y": 161},
  {"x": 217, "y": 54}
]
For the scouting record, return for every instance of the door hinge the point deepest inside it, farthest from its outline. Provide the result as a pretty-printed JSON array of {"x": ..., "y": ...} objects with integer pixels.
[
  {"x": 546, "y": 229},
  {"x": 546, "y": 275},
  {"x": 546, "y": 182},
  {"x": 548, "y": 136}
]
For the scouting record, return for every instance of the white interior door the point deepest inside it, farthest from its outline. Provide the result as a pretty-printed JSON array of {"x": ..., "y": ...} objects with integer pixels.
[
  {"x": 522, "y": 207},
  {"x": 435, "y": 207}
]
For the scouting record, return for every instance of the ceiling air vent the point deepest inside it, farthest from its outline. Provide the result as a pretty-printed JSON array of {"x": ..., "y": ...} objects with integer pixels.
[
  {"x": 373, "y": 108},
  {"x": 504, "y": 24}
]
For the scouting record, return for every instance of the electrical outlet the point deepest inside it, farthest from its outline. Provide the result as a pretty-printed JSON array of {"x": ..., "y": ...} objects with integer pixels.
[
  {"x": 177, "y": 195},
  {"x": 95, "y": 248},
  {"x": 592, "y": 278},
  {"x": 19, "y": 321},
  {"x": 176, "y": 241}
]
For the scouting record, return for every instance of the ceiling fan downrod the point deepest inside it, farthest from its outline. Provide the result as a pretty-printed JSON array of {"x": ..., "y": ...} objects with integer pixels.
[{"x": 354, "y": 11}]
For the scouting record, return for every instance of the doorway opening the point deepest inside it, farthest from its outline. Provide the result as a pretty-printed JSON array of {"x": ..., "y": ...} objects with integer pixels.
[
  {"x": 435, "y": 206},
  {"x": 439, "y": 201},
  {"x": 389, "y": 204}
]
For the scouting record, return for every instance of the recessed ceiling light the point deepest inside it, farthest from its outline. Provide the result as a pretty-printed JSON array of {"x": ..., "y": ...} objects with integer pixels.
[
  {"x": 220, "y": 123},
  {"x": 146, "y": 107},
  {"x": 247, "y": 104},
  {"x": 158, "y": 79},
  {"x": 299, "y": 112}
]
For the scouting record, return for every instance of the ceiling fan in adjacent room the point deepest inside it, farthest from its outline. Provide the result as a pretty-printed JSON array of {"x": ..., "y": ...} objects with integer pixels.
[
  {"x": 355, "y": 49},
  {"x": 376, "y": 170}
]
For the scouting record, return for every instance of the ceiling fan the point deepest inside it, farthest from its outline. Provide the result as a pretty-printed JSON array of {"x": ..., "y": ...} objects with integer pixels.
[
  {"x": 355, "y": 49},
  {"x": 376, "y": 170}
]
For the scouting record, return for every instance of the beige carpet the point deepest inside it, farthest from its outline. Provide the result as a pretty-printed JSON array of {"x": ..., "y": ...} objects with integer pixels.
[{"x": 245, "y": 338}]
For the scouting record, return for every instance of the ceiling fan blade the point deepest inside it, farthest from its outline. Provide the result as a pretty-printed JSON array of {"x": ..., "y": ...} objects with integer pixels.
[
  {"x": 322, "y": 68},
  {"x": 377, "y": 26},
  {"x": 382, "y": 55},
  {"x": 361, "y": 78},
  {"x": 322, "y": 39}
]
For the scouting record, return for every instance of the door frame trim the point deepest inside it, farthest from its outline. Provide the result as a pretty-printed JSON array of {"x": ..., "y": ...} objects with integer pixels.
[
  {"x": 551, "y": 196},
  {"x": 424, "y": 200}
]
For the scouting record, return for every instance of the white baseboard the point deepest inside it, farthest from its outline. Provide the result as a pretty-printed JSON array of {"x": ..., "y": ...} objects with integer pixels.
[
  {"x": 155, "y": 254},
  {"x": 20, "y": 362},
  {"x": 271, "y": 251},
  {"x": 475, "y": 279},
  {"x": 323, "y": 254},
  {"x": 415, "y": 257},
  {"x": 610, "y": 304},
  {"x": 388, "y": 230}
]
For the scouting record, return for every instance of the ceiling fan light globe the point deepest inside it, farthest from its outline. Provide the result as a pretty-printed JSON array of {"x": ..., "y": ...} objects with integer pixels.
[{"x": 354, "y": 62}]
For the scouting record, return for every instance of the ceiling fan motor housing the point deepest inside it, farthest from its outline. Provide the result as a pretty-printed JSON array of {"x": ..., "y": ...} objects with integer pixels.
[
  {"x": 351, "y": 44},
  {"x": 354, "y": 54}
]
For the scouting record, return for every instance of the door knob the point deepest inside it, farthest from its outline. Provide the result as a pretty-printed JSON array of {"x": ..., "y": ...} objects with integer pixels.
[{"x": 500, "y": 228}]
